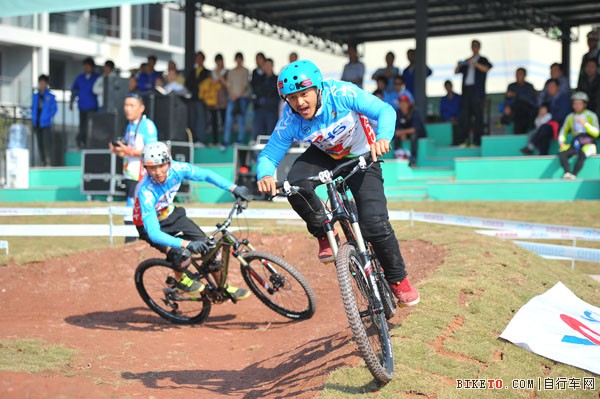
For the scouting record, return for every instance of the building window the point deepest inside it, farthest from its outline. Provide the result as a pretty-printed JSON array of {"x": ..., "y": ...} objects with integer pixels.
[
  {"x": 105, "y": 22},
  {"x": 147, "y": 22},
  {"x": 176, "y": 28},
  {"x": 69, "y": 23},
  {"x": 58, "y": 73}
]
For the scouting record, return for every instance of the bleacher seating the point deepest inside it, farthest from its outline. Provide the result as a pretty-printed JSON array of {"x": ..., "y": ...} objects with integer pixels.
[{"x": 495, "y": 171}]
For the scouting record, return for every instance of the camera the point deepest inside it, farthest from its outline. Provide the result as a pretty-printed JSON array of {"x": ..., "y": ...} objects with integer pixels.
[{"x": 116, "y": 140}]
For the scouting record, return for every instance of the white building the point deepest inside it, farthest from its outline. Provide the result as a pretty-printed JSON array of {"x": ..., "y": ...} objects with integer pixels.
[{"x": 56, "y": 43}]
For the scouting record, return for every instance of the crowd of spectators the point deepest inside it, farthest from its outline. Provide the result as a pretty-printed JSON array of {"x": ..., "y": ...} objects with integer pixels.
[{"x": 219, "y": 97}]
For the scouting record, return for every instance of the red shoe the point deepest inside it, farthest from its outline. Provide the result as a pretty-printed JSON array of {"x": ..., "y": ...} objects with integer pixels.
[
  {"x": 406, "y": 294},
  {"x": 325, "y": 251}
]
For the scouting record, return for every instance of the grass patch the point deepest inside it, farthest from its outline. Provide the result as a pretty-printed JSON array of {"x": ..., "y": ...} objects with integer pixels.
[
  {"x": 453, "y": 333},
  {"x": 33, "y": 356}
]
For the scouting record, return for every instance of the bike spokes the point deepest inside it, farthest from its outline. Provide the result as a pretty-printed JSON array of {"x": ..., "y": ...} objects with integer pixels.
[
  {"x": 156, "y": 282},
  {"x": 278, "y": 285}
]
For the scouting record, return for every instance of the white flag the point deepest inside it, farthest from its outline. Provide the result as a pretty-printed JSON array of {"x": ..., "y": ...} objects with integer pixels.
[{"x": 560, "y": 326}]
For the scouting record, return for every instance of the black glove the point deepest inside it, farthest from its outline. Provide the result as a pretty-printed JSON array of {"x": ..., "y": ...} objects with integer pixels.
[
  {"x": 241, "y": 192},
  {"x": 197, "y": 247}
]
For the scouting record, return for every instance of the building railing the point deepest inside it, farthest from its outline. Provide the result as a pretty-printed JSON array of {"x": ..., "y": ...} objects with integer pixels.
[
  {"x": 82, "y": 25},
  {"x": 26, "y": 21}
]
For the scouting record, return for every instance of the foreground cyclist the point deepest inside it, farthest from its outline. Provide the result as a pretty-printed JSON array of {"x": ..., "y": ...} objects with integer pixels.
[
  {"x": 165, "y": 226},
  {"x": 332, "y": 116}
]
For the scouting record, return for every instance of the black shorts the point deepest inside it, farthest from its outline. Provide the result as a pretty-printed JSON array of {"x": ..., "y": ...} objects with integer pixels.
[{"x": 176, "y": 225}]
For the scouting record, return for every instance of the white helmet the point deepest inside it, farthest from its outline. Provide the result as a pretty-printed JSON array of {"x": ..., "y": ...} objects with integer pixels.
[
  {"x": 155, "y": 154},
  {"x": 580, "y": 95}
]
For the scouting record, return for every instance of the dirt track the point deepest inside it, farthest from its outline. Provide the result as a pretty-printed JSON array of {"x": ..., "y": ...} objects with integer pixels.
[{"x": 88, "y": 302}]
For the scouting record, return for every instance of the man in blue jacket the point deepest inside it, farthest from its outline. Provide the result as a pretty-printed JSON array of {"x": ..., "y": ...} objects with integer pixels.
[
  {"x": 43, "y": 108},
  {"x": 334, "y": 118},
  {"x": 83, "y": 91}
]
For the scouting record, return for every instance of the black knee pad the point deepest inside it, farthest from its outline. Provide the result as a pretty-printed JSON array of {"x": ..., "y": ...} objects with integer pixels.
[
  {"x": 179, "y": 257},
  {"x": 376, "y": 228}
]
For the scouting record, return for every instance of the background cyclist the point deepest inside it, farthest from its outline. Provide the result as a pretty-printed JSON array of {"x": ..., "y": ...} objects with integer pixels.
[
  {"x": 333, "y": 117},
  {"x": 165, "y": 226}
]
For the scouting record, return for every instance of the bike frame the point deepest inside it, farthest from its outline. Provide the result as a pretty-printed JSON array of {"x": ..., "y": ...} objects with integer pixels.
[
  {"x": 226, "y": 239},
  {"x": 340, "y": 211}
]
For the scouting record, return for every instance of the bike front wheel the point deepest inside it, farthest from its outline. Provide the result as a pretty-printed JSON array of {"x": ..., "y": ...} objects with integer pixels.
[
  {"x": 155, "y": 281},
  {"x": 367, "y": 318},
  {"x": 279, "y": 285}
]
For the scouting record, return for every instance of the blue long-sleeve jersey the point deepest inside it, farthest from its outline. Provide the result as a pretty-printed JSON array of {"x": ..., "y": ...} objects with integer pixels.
[
  {"x": 340, "y": 128},
  {"x": 154, "y": 201}
]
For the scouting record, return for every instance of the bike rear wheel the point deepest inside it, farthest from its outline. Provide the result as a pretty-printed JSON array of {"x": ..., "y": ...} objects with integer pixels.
[
  {"x": 279, "y": 285},
  {"x": 368, "y": 326},
  {"x": 155, "y": 281}
]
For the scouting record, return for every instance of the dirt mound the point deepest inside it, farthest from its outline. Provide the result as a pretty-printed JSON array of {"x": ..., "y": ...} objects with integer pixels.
[{"x": 88, "y": 301}]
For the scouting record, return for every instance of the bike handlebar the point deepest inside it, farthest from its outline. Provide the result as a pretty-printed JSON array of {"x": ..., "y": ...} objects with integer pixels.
[{"x": 326, "y": 175}]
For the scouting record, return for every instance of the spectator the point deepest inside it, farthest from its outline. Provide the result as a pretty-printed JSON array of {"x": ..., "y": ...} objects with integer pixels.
[
  {"x": 139, "y": 132},
  {"x": 172, "y": 84},
  {"x": 593, "y": 51},
  {"x": 556, "y": 72},
  {"x": 258, "y": 73},
  {"x": 559, "y": 106},
  {"x": 582, "y": 124},
  {"x": 82, "y": 91},
  {"x": 381, "y": 83},
  {"x": 43, "y": 108},
  {"x": 154, "y": 74},
  {"x": 133, "y": 88},
  {"x": 543, "y": 116},
  {"x": 474, "y": 70},
  {"x": 293, "y": 56},
  {"x": 354, "y": 70},
  {"x": 450, "y": 109},
  {"x": 159, "y": 86},
  {"x": 266, "y": 104},
  {"x": 521, "y": 97},
  {"x": 237, "y": 89},
  {"x": 389, "y": 72},
  {"x": 172, "y": 66},
  {"x": 409, "y": 125},
  {"x": 399, "y": 89},
  {"x": 145, "y": 83},
  {"x": 409, "y": 72},
  {"x": 197, "y": 110},
  {"x": 589, "y": 83},
  {"x": 98, "y": 89},
  {"x": 216, "y": 96}
]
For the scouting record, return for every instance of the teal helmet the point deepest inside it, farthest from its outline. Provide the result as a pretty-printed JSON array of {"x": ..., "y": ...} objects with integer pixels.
[{"x": 298, "y": 76}]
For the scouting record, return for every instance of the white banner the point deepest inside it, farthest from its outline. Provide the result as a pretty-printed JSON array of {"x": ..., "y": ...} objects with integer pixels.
[{"x": 560, "y": 326}]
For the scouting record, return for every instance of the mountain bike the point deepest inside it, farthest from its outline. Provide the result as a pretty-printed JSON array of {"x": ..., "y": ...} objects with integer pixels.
[
  {"x": 274, "y": 281},
  {"x": 367, "y": 297}
]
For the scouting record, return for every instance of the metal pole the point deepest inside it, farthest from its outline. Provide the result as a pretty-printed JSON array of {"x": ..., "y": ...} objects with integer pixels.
[
  {"x": 421, "y": 57},
  {"x": 573, "y": 260},
  {"x": 190, "y": 35},
  {"x": 565, "y": 39}
]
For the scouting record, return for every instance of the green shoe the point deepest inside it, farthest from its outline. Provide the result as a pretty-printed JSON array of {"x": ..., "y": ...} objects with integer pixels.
[
  {"x": 188, "y": 285},
  {"x": 237, "y": 293}
]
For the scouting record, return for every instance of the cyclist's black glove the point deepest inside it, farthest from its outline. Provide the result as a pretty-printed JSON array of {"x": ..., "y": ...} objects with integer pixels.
[
  {"x": 197, "y": 247},
  {"x": 241, "y": 192}
]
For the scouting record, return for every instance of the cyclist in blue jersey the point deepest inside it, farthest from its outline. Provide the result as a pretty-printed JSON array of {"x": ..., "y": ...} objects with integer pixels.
[
  {"x": 165, "y": 226},
  {"x": 333, "y": 117},
  {"x": 139, "y": 132}
]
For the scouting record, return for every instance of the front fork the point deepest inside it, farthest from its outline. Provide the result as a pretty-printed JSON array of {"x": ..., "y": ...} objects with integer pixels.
[{"x": 365, "y": 257}]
